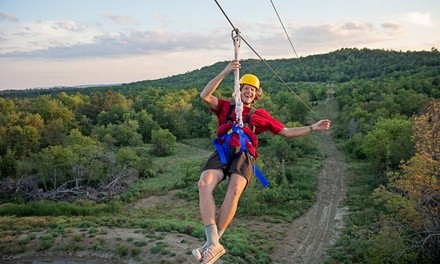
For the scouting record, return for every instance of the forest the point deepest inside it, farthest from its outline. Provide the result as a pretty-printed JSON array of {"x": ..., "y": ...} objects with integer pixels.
[{"x": 81, "y": 151}]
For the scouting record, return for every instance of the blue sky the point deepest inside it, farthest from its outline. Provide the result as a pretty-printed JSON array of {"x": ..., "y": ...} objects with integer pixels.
[{"x": 46, "y": 43}]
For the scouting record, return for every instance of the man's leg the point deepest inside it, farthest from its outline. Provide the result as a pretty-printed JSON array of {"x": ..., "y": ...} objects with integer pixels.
[
  {"x": 236, "y": 186},
  {"x": 207, "y": 183}
]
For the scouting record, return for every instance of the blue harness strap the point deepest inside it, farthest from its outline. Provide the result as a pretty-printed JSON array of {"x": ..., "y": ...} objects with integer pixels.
[
  {"x": 222, "y": 145},
  {"x": 260, "y": 176}
]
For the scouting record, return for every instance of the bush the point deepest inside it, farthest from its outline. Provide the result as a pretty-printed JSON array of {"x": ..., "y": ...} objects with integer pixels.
[
  {"x": 389, "y": 142},
  {"x": 163, "y": 142}
]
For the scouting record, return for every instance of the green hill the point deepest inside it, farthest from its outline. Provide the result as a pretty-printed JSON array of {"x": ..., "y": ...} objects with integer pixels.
[{"x": 335, "y": 67}]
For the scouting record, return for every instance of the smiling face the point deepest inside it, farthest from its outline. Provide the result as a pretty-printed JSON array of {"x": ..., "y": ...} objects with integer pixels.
[{"x": 248, "y": 93}]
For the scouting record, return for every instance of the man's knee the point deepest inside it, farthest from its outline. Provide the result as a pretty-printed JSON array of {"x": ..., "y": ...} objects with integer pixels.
[
  {"x": 208, "y": 180},
  {"x": 236, "y": 185}
]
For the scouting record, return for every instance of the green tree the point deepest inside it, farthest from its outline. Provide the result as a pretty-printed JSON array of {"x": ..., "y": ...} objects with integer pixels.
[
  {"x": 8, "y": 165},
  {"x": 292, "y": 106},
  {"x": 54, "y": 166},
  {"x": 54, "y": 133},
  {"x": 412, "y": 195},
  {"x": 146, "y": 125},
  {"x": 163, "y": 142},
  {"x": 389, "y": 142},
  {"x": 124, "y": 134},
  {"x": 51, "y": 109},
  {"x": 174, "y": 112},
  {"x": 8, "y": 113},
  {"x": 22, "y": 141}
]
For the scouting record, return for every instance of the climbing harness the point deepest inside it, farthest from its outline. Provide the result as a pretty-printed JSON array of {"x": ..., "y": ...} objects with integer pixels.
[{"x": 222, "y": 142}]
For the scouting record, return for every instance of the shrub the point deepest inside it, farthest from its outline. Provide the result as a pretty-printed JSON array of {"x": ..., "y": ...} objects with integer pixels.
[{"x": 163, "y": 142}]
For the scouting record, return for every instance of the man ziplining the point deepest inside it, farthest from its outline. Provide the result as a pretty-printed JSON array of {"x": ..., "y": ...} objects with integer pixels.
[{"x": 235, "y": 156}]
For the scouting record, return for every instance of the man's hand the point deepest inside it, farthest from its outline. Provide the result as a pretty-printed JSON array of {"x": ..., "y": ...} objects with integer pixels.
[{"x": 322, "y": 125}]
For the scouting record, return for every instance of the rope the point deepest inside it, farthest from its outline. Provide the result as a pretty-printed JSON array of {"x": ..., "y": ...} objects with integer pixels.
[
  {"x": 237, "y": 93},
  {"x": 265, "y": 62}
]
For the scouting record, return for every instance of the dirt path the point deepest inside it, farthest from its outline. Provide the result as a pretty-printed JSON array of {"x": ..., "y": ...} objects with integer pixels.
[{"x": 312, "y": 234}]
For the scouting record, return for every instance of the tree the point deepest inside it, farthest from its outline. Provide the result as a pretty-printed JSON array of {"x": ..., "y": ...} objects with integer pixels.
[
  {"x": 163, "y": 142},
  {"x": 124, "y": 134},
  {"x": 7, "y": 112},
  {"x": 51, "y": 109},
  {"x": 291, "y": 106},
  {"x": 8, "y": 165},
  {"x": 174, "y": 112},
  {"x": 22, "y": 141},
  {"x": 146, "y": 125},
  {"x": 389, "y": 142},
  {"x": 54, "y": 133},
  {"x": 54, "y": 166},
  {"x": 412, "y": 196}
]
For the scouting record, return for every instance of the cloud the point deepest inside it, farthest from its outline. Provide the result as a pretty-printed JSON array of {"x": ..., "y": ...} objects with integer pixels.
[
  {"x": 26, "y": 37},
  {"x": 164, "y": 21},
  {"x": 393, "y": 28},
  {"x": 419, "y": 18},
  {"x": 70, "y": 25},
  {"x": 119, "y": 20},
  {"x": 8, "y": 17},
  {"x": 123, "y": 44},
  {"x": 356, "y": 26},
  {"x": 312, "y": 39},
  {"x": 62, "y": 40}
]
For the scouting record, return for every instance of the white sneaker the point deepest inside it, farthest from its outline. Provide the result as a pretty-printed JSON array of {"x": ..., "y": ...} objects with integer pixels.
[
  {"x": 212, "y": 253},
  {"x": 198, "y": 252}
]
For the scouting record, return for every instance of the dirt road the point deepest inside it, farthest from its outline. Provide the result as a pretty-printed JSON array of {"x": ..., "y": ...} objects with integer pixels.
[{"x": 309, "y": 236}]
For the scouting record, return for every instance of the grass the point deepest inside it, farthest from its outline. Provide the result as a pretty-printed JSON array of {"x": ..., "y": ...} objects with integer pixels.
[
  {"x": 352, "y": 244},
  {"x": 84, "y": 224},
  {"x": 50, "y": 208}
]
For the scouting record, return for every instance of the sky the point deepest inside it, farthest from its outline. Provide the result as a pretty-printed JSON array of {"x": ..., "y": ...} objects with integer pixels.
[{"x": 52, "y": 43}]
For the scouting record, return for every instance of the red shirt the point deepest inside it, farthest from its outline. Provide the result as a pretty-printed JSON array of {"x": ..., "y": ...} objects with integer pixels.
[{"x": 261, "y": 119}]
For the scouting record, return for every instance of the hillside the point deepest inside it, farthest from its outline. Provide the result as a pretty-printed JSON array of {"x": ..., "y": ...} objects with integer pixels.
[{"x": 335, "y": 67}]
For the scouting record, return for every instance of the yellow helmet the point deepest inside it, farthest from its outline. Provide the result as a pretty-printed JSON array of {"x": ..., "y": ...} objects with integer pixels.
[{"x": 251, "y": 80}]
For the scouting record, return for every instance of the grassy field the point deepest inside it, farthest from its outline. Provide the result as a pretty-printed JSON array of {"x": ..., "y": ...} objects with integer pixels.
[{"x": 143, "y": 222}]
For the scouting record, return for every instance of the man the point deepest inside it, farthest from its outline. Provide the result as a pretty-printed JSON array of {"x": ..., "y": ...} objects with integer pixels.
[{"x": 240, "y": 164}]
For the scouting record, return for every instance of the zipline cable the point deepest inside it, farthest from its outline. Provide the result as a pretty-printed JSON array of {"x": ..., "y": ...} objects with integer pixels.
[
  {"x": 296, "y": 54},
  {"x": 300, "y": 62},
  {"x": 265, "y": 62},
  {"x": 290, "y": 41}
]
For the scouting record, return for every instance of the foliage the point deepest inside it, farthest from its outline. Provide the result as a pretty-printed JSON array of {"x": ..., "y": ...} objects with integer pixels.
[
  {"x": 163, "y": 141},
  {"x": 412, "y": 196},
  {"x": 389, "y": 142}
]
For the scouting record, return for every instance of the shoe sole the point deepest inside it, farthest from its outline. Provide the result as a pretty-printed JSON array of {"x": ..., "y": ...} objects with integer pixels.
[
  {"x": 196, "y": 253},
  {"x": 216, "y": 257}
]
